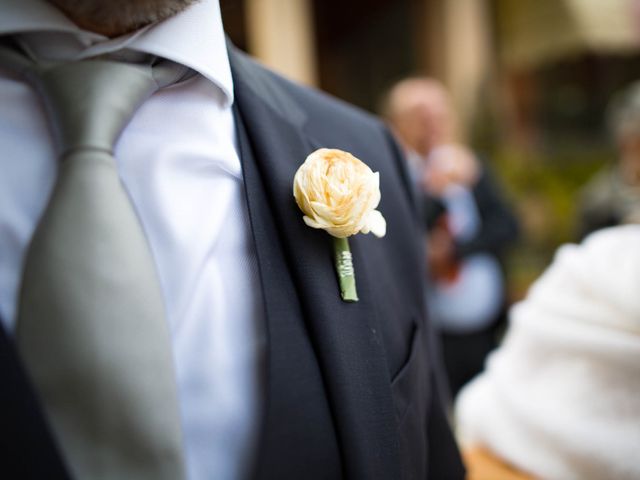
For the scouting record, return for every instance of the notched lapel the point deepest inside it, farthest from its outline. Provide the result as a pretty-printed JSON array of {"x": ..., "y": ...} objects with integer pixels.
[
  {"x": 344, "y": 335},
  {"x": 28, "y": 448}
]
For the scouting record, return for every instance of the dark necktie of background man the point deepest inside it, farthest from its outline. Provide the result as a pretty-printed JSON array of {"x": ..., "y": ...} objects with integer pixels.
[{"x": 91, "y": 327}]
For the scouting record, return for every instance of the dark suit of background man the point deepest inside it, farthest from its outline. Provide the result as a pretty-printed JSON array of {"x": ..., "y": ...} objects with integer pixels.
[{"x": 277, "y": 377}]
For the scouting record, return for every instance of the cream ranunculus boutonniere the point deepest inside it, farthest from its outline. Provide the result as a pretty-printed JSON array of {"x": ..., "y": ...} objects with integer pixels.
[{"x": 339, "y": 193}]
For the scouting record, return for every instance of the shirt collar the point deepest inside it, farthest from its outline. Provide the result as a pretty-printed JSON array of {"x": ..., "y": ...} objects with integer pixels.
[{"x": 194, "y": 37}]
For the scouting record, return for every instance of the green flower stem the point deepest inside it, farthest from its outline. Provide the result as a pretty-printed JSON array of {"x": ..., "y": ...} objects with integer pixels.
[{"x": 344, "y": 269}]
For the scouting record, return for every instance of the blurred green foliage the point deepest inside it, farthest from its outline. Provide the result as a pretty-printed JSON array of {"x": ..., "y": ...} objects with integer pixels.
[{"x": 544, "y": 190}]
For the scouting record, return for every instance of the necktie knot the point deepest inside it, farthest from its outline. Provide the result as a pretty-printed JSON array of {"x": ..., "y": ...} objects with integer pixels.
[{"x": 90, "y": 102}]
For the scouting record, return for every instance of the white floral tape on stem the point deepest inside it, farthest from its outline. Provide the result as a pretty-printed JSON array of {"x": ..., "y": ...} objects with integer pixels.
[{"x": 344, "y": 269}]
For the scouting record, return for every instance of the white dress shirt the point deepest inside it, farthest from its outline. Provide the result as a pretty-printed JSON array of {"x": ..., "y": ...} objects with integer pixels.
[
  {"x": 178, "y": 161},
  {"x": 471, "y": 301}
]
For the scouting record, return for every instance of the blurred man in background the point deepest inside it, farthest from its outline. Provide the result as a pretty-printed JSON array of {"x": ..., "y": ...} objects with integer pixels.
[{"x": 468, "y": 224}]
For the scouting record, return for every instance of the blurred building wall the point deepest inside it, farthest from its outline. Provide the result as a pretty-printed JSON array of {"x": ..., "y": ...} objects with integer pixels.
[
  {"x": 536, "y": 32},
  {"x": 484, "y": 51},
  {"x": 449, "y": 39},
  {"x": 459, "y": 50},
  {"x": 281, "y": 35}
]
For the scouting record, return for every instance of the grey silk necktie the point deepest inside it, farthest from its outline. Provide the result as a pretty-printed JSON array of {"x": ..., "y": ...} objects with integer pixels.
[{"x": 91, "y": 325}]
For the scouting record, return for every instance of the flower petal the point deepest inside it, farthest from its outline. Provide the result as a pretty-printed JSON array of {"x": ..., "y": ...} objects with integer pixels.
[
  {"x": 377, "y": 224},
  {"x": 338, "y": 193}
]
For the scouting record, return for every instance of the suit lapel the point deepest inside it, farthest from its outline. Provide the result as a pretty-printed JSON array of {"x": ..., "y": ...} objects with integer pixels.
[
  {"x": 294, "y": 392},
  {"x": 27, "y": 445},
  {"x": 345, "y": 336}
]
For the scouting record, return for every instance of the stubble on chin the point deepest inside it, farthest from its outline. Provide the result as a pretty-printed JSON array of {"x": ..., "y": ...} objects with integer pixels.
[{"x": 117, "y": 17}]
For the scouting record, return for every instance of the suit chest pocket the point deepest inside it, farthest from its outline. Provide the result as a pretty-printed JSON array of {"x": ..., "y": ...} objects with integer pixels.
[{"x": 411, "y": 397}]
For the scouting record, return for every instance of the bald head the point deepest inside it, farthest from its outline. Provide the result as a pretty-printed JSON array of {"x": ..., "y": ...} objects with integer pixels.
[
  {"x": 624, "y": 112},
  {"x": 419, "y": 110},
  {"x": 117, "y": 17},
  {"x": 624, "y": 122}
]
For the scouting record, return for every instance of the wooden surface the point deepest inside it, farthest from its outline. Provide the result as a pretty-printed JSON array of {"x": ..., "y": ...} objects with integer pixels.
[{"x": 482, "y": 465}]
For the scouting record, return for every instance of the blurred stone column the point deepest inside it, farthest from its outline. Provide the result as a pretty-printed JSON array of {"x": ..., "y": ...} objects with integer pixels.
[
  {"x": 457, "y": 36},
  {"x": 281, "y": 35}
]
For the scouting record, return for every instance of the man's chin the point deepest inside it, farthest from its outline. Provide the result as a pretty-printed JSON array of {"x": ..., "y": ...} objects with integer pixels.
[{"x": 113, "y": 18}]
